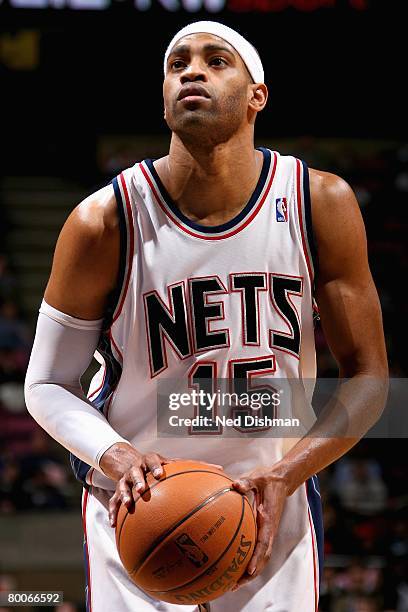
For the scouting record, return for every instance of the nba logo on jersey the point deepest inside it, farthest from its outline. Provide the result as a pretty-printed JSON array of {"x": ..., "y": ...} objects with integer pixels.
[{"x": 281, "y": 210}]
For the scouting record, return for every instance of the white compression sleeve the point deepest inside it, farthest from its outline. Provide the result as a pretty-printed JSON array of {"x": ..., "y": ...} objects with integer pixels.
[{"x": 62, "y": 351}]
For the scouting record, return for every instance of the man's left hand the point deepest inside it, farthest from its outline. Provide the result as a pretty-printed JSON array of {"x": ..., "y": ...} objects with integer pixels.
[{"x": 270, "y": 494}]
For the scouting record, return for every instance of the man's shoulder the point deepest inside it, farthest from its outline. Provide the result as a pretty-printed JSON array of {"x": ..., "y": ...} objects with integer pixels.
[
  {"x": 328, "y": 181},
  {"x": 328, "y": 190},
  {"x": 98, "y": 212},
  {"x": 336, "y": 214}
]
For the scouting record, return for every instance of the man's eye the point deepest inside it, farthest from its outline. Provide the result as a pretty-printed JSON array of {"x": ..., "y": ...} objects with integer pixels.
[
  {"x": 218, "y": 61},
  {"x": 177, "y": 64}
]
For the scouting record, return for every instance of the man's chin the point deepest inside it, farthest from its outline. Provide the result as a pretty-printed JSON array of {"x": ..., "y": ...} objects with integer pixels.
[
  {"x": 193, "y": 121},
  {"x": 201, "y": 127}
]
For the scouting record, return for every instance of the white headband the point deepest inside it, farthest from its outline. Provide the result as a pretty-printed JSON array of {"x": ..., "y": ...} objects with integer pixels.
[{"x": 248, "y": 53}]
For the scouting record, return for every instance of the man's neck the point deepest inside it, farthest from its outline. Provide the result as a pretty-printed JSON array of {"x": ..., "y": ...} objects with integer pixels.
[{"x": 211, "y": 185}]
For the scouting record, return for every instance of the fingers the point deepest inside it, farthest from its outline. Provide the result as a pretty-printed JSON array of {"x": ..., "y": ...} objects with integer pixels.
[
  {"x": 153, "y": 462},
  {"x": 259, "y": 559},
  {"x": 133, "y": 482},
  {"x": 262, "y": 552},
  {"x": 114, "y": 505},
  {"x": 133, "y": 479},
  {"x": 124, "y": 492},
  {"x": 244, "y": 485},
  {"x": 269, "y": 510},
  {"x": 118, "y": 498}
]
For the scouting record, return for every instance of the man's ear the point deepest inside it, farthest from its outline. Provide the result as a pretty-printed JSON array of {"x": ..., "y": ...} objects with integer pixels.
[{"x": 258, "y": 96}]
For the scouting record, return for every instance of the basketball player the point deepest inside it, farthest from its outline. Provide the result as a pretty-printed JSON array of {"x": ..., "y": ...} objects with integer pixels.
[{"x": 202, "y": 264}]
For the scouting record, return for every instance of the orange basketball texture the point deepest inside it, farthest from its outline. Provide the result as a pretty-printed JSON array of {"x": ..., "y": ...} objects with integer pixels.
[{"x": 189, "y": 537}]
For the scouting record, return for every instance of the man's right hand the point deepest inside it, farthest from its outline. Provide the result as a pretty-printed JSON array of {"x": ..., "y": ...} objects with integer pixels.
[{"x": 123, "y": 463}]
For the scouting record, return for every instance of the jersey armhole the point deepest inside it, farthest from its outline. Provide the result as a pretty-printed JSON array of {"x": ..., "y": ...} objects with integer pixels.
[
  {"x": 307, "y": 217},
  {"x": 117, "y": 294}
]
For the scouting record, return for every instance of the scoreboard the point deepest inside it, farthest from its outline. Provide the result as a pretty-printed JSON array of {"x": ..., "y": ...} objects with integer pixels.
[{"x": 191, "y": 6}]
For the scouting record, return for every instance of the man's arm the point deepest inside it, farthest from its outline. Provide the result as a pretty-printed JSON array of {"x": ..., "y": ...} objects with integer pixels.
[
  {"x": 86, "y": 258},
  {"x": 84, "y": 272},
  {"x": 352, "y": 323}
]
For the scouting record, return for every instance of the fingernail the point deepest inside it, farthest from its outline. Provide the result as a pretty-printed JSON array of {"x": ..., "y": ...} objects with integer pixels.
[
  {"x": 252, "y": 571},
  {"x": 235, "y": 588},
  {"x": 157, "y": 472},
  {"x": 139, "y": 485}
]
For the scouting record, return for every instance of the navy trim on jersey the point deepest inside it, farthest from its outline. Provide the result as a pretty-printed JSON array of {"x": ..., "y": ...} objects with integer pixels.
[
  {"x": 206, "y": 229},
  {"x": 315, "y": 505},
  {"x": 113, "y": 372},
  {"x": 308, "y": 215},
  {"x": 114, "y": 296},
  {"x": 86, "y": 567},
  {"x": 80, "y": 469}
]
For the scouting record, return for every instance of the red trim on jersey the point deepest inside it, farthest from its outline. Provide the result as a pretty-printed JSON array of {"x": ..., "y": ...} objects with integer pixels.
[
  {"x": 316, "y": 591},
  {"x": 205, "y": 237},
  {"x": 117, "y": 349},
  {"x": 282, "y": 316},
  {"x": 300, "y": 206},
  {"x": 131, "y": 244},
  {"x": 88, "y": 568},
  {"x": 100, "y": 386}
]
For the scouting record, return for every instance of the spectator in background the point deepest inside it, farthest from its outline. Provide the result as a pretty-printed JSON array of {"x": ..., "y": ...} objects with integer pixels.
[
  {"x": 36, "y": 481},
  {"x": 14, "y": 343},
  {"x": 338, "y": 537},
  {"x": 363, "y": 604},
  {"x": 44, "y": 476},
  {"x": 43, "y": 493},
  {"x": 31, "y": 474},
  {"x": 12, "y": 495},
  {"x": 14, "y": 333},
  {"x": 363, "y": 491},
  {"x": 41, "y": 456},
  {"x": 357, "y": 586}
]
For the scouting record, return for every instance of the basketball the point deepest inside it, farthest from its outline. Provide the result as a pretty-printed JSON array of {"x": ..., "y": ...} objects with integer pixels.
[{"x": 189, "y": 537}]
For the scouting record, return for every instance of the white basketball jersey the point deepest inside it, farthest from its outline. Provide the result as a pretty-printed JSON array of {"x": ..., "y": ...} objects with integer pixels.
[{"x": 231, "y": 301}]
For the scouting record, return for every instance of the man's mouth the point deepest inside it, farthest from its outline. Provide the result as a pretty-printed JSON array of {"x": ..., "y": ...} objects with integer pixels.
[{"x": 192, "y": 93}]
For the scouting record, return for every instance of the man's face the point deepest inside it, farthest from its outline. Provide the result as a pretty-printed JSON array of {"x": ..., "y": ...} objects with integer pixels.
[{"x": 206, "y": 88}]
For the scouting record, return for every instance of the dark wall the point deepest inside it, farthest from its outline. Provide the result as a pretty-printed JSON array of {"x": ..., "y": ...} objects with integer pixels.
[{"x": 331, "y": 72}]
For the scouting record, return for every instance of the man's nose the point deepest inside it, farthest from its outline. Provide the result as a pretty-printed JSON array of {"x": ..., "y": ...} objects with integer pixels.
[{"x": 195, "y": 71}]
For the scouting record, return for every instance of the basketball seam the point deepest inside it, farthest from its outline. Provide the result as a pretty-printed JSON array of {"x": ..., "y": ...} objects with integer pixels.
[
  {"x": 170, "y": 530},
  {"x": 155, "y": 484},
  {"x": 182, "y": 586}
]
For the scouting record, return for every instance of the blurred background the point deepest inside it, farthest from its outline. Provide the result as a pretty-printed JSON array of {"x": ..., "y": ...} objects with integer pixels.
[{"x": 81, "y": 100}]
